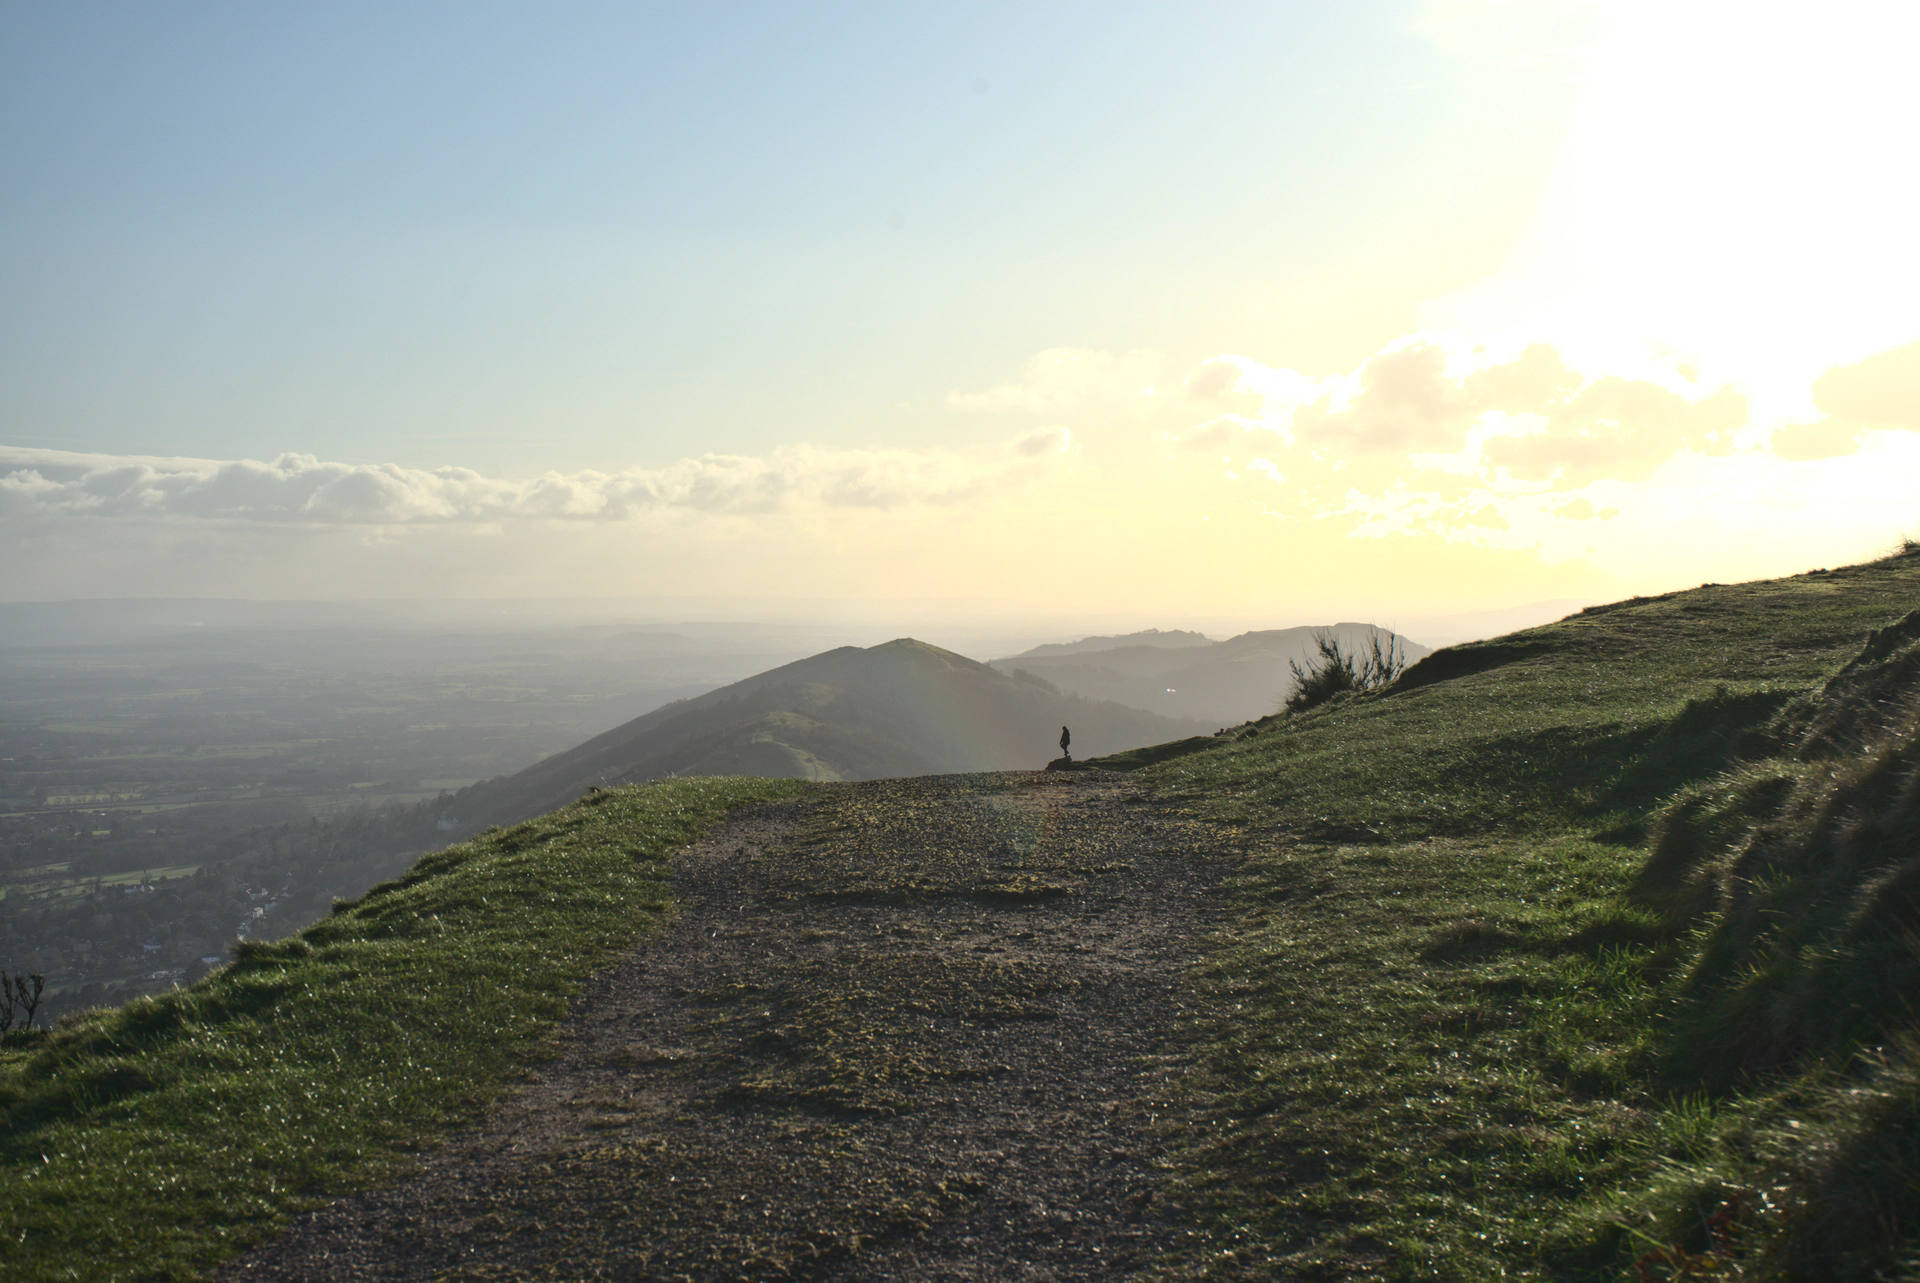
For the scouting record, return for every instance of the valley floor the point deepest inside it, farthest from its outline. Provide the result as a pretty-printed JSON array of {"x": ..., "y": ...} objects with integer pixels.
[{"x": 912, "y": 1029}]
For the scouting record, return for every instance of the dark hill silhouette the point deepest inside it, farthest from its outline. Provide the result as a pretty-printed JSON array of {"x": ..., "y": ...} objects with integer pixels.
[
  {"x": 1219, "y": 683},
  {"x": 898, "y": 709}
]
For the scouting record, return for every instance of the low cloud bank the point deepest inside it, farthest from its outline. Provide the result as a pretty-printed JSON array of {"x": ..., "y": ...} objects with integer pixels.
[
  {"x": 302, "y": 488},
  {"x": 1434, "y": 463}
]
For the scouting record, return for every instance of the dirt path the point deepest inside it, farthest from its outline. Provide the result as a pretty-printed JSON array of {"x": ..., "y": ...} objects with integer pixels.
[{"x": 903, "y": 1030}]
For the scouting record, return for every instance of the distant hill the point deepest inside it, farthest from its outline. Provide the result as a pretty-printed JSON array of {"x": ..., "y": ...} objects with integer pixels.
[
  {"x": 1218, "y": 683},
  {"x": 1174, "y": 639},
  {"x": 901, "y": 708}
]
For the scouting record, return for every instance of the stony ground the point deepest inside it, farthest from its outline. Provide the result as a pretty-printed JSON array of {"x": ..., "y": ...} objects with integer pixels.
[{"x": 909, "y": 1029}]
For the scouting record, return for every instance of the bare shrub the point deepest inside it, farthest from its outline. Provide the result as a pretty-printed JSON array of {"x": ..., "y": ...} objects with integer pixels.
[
  {"x": 21, "y": 993},
  {"x": 1334, "y": 670}
]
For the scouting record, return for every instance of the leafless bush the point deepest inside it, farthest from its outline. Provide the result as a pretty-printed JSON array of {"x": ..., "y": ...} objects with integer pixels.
[{"x": 1333, "y": 669}]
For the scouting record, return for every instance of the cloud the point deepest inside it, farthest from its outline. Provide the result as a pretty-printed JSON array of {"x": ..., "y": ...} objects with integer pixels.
[
  {"x": 1215, "y": 434},
  {"x": 1401, "y": 400},
  {"x": 1883, "y": 390},
  {"x": 1501, "y": 446},
  {"x": 1583, "y": 510},
  {"x": 1881, "y": 393},
  {"x": 1619, "y": 429},
  {"x": 1048, "y": 440},
  {"x": 1434, "y": 468},
  {"x": 1429, "y": 405},
  {"x": 1509, "y": 445},
  {"x": 300, "y": 488},
  {"x": 1218, "y": 379}
]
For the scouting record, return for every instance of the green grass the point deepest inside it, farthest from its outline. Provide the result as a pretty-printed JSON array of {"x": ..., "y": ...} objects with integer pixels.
[
  {"x": 52, "y": 881},
  {"x": 1447, "y": 1034},
  {"x": 1539, "y": 961},
  {"x": 153, "y": 1140}
]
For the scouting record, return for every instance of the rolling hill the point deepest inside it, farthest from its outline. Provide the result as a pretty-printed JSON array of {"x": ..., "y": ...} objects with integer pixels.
[
  {"x": 1219, "y": 683},
  {"x": 1172, "y": 639},
  {"x": 900, "y": 708},
  {"x": 1585, "y": 953}
]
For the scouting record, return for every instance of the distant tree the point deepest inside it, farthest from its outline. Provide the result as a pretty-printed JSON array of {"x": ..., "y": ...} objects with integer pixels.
[
  {"x": 1334, "y": 670},
  {"x": 23, "y": 991}
]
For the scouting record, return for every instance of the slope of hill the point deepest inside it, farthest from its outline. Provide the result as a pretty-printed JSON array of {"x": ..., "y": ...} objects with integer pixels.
[
  {"x": 1610, "y": 929},
  {"x": 1221, "y": 683},
  {"x": 1172, "y": 639},
  {"x": 1583, "y": 953},
  {"x": 901, "y": 708}
]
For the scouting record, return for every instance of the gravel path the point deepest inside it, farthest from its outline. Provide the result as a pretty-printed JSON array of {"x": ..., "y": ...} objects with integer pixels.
[{"x": 907, "y": 1029}]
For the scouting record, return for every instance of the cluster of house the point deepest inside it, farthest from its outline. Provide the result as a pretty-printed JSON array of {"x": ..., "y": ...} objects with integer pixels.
[{"x": 257, "y": 912}]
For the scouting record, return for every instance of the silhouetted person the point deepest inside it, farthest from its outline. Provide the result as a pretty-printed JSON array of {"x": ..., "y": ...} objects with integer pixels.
[{"x": 1066, "y": 738}]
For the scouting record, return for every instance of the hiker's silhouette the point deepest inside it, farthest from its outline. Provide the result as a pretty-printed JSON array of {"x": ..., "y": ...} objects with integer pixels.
[{"x": 1066, "y": 738}]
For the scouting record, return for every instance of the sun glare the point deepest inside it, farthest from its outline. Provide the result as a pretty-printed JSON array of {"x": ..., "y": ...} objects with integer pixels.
[{"x": 1733, "y": 195}]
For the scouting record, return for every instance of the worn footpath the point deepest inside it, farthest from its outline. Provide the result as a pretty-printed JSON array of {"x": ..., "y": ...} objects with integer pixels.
[{"x": 907, "y": 1029}]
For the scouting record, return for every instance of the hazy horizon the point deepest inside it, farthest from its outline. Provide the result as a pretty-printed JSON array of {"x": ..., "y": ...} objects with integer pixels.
[
  {"x": 965, "y": 628},
  {"x": 1105, "y": 317}
]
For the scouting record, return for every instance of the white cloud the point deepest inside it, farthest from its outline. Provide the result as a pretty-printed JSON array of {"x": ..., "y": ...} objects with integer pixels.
[
  {"x": 1052, "y": 439},
  {"x": 1879, "y": 394},
  {"x": 1525, "y": 418},
  {"x": 1456, "y": 454},
  {"x": 1215, "y": 434},
  {"x": 1624, "y": 467},
  {"x": 302, "y": 489}
]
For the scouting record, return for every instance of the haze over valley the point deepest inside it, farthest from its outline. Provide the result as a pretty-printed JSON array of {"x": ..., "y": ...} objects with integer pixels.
[{"x": 175, "y": 775}]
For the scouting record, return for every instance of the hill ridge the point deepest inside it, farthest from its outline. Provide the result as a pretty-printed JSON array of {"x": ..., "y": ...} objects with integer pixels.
[{"x": 903, "y": 707}]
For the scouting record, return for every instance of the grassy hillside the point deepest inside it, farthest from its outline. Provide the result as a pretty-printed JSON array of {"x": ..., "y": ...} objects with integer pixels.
[
  {"x": 1586, "y": 950},
  {"x": 898, "y": 709},
  {"x": 149, "y": 1141},
  {"x": 1587, "y": 953}
]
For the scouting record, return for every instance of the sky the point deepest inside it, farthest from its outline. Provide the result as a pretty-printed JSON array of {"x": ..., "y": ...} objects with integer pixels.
[{"x": 1142, "y": 314}]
